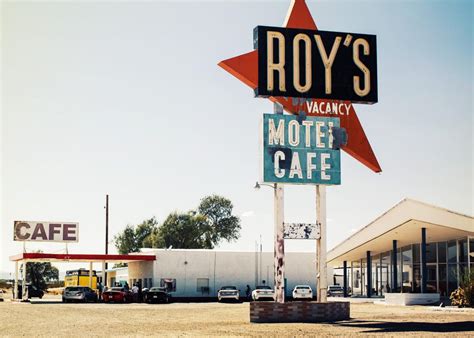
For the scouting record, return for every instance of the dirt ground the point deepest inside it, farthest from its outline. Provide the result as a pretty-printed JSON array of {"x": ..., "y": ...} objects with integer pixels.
[{"x": 215, "y": 319}]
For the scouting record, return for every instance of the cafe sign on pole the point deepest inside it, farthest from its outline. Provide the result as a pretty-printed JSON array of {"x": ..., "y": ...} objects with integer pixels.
[{"x": 300, "y": 152}]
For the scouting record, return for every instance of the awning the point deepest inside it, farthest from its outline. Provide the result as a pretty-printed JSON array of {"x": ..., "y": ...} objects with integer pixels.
[
  {"x": 49, "y": 257},
  {"x": 402, "y": 223}
]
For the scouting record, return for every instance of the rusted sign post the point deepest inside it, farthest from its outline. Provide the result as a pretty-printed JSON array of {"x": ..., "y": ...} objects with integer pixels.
[
  {"x": 321, "y": 281},
  {"x": 279, "y": 245},
  {"x": 315, "y": 76}
]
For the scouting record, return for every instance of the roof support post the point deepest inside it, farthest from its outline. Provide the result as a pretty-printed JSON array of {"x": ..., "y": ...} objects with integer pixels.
[
  {"x": 369, "y": 275},
  {"x": 424, "y": 277},
  {"x": 344, "y": 276},
  {"x": 23, "y": 282},
  {"x": 15, "y": 286},
  {"x": 90, "y": 275},
  {"x": 104, "y": 277},
  {"x": 394, "y": 266}
]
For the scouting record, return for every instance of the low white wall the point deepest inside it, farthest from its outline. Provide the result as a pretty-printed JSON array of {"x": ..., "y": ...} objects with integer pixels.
[{"x": 411, "y": 298}]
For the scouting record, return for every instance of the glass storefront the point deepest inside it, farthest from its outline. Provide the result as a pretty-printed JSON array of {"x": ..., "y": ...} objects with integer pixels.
[{"x": 446, "y": 263}]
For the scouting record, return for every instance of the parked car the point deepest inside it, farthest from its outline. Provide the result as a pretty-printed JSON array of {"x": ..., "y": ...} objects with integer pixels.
[
  {"x": 79, "y": 294},
  {"x": 302, "y": 292},
  {"x": 263, "y": 292},
  {"x": 156, "y": 295},
  {"x": 117, "y": 294},
  {"x": 228, "y": 292},
  {"x": 335, "y": 291}
]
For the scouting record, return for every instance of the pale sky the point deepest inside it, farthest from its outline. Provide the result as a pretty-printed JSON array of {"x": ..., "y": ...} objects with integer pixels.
[{"x": 126, "y": 98}]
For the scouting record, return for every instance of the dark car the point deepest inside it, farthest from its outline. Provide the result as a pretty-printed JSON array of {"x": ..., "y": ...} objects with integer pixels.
[
  {"x": 335, "y": 291},
  {"x": 32, "y": 291},
  {"x": 79, "y": 294},
  {"x": 117, "y": 294},
  {"x": 157, "y": 295}
]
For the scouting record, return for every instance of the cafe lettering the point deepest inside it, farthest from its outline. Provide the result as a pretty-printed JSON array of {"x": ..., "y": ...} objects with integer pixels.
[
  {"x": 46, "y": 231},
  {"x": 300, "y": 150}
]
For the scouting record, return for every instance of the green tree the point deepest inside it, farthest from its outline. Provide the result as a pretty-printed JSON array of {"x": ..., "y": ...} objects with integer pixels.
[
  {"x": 205, "y": 228},
  {"x": 39, "y": 274},
  {"x": 133, "y": 238},
  {"x": 222, "y": 224},
  {"x": 182, "y": 231}
]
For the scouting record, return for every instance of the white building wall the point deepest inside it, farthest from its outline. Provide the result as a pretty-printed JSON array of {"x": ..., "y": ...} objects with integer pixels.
[{"x": 222, "y": 268}]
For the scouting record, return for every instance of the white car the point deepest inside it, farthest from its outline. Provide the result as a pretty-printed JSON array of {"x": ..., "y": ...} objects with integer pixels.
[
  {"x": 228, "y": 292},
  {"x": 302, "y": 292},
  {"x": 263, "y": 292}
]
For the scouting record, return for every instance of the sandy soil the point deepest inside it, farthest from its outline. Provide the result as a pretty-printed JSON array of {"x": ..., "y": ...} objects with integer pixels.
[{"x": 214, "y": 319}]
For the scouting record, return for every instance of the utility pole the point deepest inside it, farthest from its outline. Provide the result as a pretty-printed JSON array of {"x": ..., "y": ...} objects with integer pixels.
[{"x": 104, "y": 282}]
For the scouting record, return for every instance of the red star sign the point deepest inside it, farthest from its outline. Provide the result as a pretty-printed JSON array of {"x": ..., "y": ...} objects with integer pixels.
[{"x": 245, "y": 68}]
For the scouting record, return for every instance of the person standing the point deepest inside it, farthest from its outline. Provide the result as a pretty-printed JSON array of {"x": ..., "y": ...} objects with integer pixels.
[
  {"x": 135, "y": 292},
  {"x": 100, "y": 288},
  {"x": 248, "y": 292}
]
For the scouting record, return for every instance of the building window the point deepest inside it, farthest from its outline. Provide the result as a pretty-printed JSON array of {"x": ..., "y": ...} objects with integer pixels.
[
  {"x": 169, "y": 284},
  {"x": 431, "y": 286},
  {"x": 202, "y": 285},
  {"x": 150, "y": 282},
  {"x": 463, "y": 251},
  {"x": 452, "y": 277},
  {"x": 416, "y": 253},
  {"x": 442, "y": 252},
  {"x": 442, "y": 273},
  {"x": 431, "y": 253},
  {"x": 452, "y": 252},
  {"x": 386, "y": 272},
  {"x": 407, "y": 265}
]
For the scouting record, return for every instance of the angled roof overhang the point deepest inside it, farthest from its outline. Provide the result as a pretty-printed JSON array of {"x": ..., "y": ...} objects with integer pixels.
[{"x": 403, "y": 223}]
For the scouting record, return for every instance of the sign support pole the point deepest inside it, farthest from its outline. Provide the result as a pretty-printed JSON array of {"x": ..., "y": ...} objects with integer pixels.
[
  {"x": 279, "y": 245},
  {"x": 321, "y": 244}
]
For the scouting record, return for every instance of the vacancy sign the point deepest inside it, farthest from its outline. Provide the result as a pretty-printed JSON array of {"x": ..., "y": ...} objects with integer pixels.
[
  {"x": 33, "y": 231},
  {"x": 300, "y": 151}
]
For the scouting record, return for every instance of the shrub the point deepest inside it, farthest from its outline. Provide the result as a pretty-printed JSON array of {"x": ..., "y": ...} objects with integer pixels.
[{"x": 464, "y": 294}]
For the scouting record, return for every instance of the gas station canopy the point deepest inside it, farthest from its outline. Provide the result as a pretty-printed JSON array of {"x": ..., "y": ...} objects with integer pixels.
[{"x": 49, "y": 257}]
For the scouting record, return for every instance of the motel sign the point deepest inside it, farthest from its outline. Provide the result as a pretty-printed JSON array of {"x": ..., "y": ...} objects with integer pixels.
[{"x": 300, "y": 151}]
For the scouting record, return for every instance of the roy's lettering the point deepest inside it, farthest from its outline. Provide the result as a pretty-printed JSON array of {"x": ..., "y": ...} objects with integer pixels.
[{"x": 316, "y": 64}]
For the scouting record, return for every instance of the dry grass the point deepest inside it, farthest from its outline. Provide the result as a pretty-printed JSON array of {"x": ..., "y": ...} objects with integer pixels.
[{"x": 213, "y": 319}]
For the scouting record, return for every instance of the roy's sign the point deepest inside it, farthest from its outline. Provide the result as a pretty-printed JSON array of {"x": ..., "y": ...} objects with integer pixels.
[
  {"x": 316, "y": 64},
  {"x": 45, "y": 231},
  {"x": 300, "y": 151}
]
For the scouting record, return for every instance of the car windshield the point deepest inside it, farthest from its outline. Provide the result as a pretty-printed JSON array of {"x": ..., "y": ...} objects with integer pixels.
[
  {"x": 157, "y": 289},
  {"x": 264, "y": 287},
  {"x": 303, "y": 287},
  {"x": 116, "y": 289},
  {"x": 335, "y": 288},
  {"x": 228, "y": 288},
  {"x": 74, "y": 289}
]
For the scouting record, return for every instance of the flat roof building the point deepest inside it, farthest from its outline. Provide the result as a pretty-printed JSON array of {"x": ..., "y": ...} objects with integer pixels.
[
  {"x": 200, "y": 273},
  {"x": 414, "y": 247}
]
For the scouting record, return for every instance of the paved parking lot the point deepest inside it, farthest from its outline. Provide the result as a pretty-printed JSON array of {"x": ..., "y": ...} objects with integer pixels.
[{"x": 217, "y": 319}]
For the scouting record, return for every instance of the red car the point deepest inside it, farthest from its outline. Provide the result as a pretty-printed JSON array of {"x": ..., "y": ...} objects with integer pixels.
[{"x": 117, "y": 295}]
